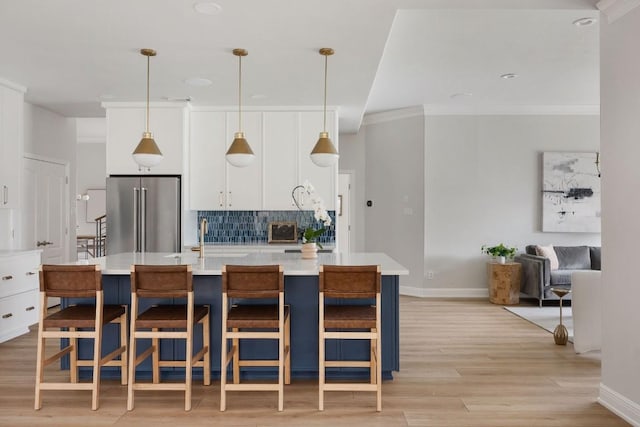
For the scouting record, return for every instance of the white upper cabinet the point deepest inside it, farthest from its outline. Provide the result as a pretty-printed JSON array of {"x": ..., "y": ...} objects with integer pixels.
[
  {"x": 125, "y": 125},
  {"x": 324, "y": 179},
  {"x": 207, "y": 182},
  {"x": 214, "y": 183},
  {"x": 11, "y": 145},
  {"x": 280, "y": 159},
  {"x": 244, "y": 185}
]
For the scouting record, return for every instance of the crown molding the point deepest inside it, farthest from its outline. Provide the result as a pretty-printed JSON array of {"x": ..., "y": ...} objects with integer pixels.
[
  {"x": 615, "y": 9},
  {"x": 392, "y": 115},
  {"x": 12, "y": 85},
  {"x": 513, "y": 110}
]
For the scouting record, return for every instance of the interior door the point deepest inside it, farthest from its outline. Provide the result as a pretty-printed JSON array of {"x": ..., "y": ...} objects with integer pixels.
[
  {"x": 343, "y": 213},
  {"x": 45, "y": 209}
]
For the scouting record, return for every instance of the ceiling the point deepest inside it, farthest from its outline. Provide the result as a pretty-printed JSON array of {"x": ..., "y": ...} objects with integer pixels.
[{"x": 71, "y": 55}]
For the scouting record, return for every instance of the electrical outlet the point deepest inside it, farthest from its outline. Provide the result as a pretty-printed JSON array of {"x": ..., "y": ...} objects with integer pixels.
[{"x": 429, "y": 275}]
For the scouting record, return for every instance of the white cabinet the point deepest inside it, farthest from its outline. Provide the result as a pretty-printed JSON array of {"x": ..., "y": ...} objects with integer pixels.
[
  {"x": 280, "y": 159},
  {"x": 213, "y": 183},
  {"x": 11, "y": 143},
  {"x": 324, "y": 179},
  {"x": 125, "y": 125},
  {"x": 282, "y": 142},
  {"x": 19, "y": 301}
]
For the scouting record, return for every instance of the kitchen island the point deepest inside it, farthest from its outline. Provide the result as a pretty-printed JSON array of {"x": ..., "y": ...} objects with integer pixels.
[{"x": 301, "y": 293}]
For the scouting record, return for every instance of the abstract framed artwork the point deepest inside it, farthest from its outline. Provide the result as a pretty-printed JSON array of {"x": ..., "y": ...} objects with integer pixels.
[{"x": 571, "y": 192}]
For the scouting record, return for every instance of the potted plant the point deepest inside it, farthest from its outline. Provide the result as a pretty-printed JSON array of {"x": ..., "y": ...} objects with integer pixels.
[
  {"x": 499, "y": 252},
  {"x": 310, "y": 234}
]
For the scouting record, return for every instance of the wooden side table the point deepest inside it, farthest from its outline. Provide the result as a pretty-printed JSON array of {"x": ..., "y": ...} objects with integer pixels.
[{"x": 504, "y": 282}]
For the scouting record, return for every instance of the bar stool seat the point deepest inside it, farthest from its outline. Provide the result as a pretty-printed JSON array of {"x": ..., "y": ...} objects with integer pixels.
[
  {"x": 77, "y": 322},
  {"x": 169, "y": 316}
]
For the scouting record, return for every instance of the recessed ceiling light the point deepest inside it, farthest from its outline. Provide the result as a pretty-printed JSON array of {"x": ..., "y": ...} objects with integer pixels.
[
  {"x": 258, "y": 96},
  {"x": 198, "y": 81},
  {"x": 584, "y": 22},
  {"x": 207, "y": 8},
  {"x": 461, "y": 95},
  {"x": 177, "y": 99},
  {"x": 509, "y": 76}
]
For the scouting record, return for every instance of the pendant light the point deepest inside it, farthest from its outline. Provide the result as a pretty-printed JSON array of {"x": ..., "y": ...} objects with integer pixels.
[
  {"x": 239, "y": 153},
  {"x": 147, "y": 154},
  {"x": 324, "y": 153}
]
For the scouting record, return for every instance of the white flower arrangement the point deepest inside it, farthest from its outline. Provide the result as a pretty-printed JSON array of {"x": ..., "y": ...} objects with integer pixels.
[{"x": 320, "y": 213}]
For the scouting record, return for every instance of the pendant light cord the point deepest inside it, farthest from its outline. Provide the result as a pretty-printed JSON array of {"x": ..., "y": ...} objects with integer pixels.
[
  {"x": 239, "y": 93},
  {"x": 147, "y": 127},
  {"x": 324, "y": 124}
]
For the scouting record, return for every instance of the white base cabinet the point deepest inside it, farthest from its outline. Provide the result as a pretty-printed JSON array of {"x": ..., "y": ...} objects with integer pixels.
[{"x": 19, "y": 295}]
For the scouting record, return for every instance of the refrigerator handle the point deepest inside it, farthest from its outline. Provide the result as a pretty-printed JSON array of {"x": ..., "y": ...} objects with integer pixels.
[
  {"x": 135, "y": 219},
  {"x": 143, "y": 215}
]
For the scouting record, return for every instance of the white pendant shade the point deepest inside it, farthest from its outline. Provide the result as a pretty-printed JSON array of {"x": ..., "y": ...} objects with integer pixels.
[
  {"x": 239, "y": 153},
  {"x": 324, "y": 153},
  {"x": 147, "y": 154}
]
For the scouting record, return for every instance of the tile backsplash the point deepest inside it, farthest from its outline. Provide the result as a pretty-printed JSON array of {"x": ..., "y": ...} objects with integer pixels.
[{"x": 250, "y": 227}]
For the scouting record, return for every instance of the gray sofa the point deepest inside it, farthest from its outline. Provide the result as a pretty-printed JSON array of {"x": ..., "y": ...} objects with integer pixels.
[{"x": 538, "y": 278}]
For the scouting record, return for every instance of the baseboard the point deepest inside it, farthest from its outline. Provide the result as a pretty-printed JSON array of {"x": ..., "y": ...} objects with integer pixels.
[
  {"x": 444, "y": 292},
  {"x": 619, "y": 405}
]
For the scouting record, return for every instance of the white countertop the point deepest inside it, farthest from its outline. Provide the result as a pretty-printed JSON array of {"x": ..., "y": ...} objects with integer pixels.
[
  {"x": 212, "y": 263},
  {"x": 256, "y": 247},
  {"x": 12, "y": 252}
]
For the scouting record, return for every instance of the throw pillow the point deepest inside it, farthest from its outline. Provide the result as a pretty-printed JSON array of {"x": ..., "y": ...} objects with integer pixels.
[{"x": 548, "y": 252}]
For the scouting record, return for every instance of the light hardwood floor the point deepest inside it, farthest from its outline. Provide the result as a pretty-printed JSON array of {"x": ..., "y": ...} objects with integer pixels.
[{"x": 464, "y": 363}]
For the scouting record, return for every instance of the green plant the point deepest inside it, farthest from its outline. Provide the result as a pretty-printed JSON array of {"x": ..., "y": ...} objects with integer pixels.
[{"x": 499, "y": 250}]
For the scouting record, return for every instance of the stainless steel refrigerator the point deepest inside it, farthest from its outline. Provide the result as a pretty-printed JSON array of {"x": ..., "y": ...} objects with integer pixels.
[{"x": 143, "y": 214}]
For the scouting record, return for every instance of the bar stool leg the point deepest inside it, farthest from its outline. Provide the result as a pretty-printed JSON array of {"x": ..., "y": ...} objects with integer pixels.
[
  {"x": 132, "y": 353},
  {"x": 206, "y": 341},
  {"x": 40, "y": 354},
  {"x": 155, "y": 343},
  {"x": 124, "y": 357},
  {"x": 235, "y": 343},
  {"x": 73, "y": 358}
]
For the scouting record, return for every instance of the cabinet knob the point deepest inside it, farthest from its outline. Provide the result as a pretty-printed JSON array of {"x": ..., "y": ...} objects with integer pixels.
[
  {"x": 30, "y": 308},
  {"x": 9, "y": 277},
  {"x": 8, "y": 315},
  {"x": 30, "y": 273}
]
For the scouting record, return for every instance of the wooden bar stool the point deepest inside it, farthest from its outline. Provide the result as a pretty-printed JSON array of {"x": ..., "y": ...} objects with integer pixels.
[
  {"x": 77, "y": 281},
  {"x": 166, "y": 281},
  {"x": 249, "y": 321},
  {"x": 355, "y": 322}
]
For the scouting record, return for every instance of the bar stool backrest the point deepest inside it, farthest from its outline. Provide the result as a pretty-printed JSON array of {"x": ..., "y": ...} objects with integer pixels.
[
  {"x": 161, "y": 281},
  {"x": 70, "y": 281},
  {"x": 258, "y": 281},
  {"x": 340, "y": 281}
]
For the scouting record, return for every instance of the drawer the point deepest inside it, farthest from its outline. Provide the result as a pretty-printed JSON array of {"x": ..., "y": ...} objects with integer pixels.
[
  {"x": 18, "y": 274},
  {"x": 17, "y": 313}
]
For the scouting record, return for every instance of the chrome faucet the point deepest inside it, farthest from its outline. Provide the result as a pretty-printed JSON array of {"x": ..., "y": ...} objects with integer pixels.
[{"x": 203, "y": 230}]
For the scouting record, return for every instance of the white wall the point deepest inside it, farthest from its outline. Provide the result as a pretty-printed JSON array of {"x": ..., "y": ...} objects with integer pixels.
[
  {"x": 484, "y": 186},
  {"x": 352, "y": 159},
  {"x": 395, "y": 185},
  {"x": 443, "y": 186},
  {"x": 53, "y": 136},
  {"x": 620, "y": 106}
]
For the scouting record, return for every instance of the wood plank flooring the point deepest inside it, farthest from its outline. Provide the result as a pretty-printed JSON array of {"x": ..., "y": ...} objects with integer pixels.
[{"x": 463, "y": 363}]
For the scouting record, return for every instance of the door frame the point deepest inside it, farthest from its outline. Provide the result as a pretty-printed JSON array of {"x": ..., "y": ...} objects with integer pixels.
[
  {"x": 69, "y": 231},
  {"x": 351, "y": 174}
]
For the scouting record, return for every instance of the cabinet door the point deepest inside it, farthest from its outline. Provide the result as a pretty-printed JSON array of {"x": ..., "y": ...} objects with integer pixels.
[
  {"x": 11, "y": 123},
  {"x": 124, "y": 131},
  {"x": 207, "y": 142},
  {"x": 244, "y": 185},
  {"x": 323, "y": 179},
  {"x": 280, "y": 159}
]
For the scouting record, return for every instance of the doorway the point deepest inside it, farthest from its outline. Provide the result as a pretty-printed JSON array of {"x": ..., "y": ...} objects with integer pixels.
[{"x": 343, "y": 213}]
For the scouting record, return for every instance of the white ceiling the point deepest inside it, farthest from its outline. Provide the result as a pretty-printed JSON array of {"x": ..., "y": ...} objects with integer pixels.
[{"x": 73, "y": 54}]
